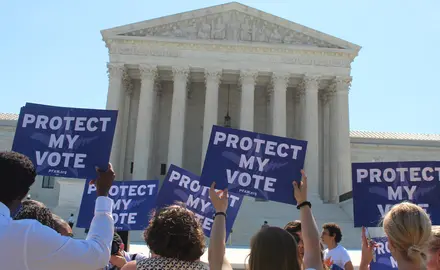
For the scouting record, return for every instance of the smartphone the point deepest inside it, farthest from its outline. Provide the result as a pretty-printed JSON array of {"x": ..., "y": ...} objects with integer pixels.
[{"x": 370, "y": 240}]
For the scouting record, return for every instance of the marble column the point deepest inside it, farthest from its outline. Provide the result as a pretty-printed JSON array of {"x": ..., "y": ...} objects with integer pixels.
[
  {"x": 325, "y": 150},
  {"x": 279, "y": 114},
  {"x": 212, "y": 81},
  {"x": 341, "y": 152},
  {"x": 310, "y": 127},
  {"x": 269, "y": 109},
  {"x": 115, "y": 101},
  {"x": 247, "y": 82},
  {"x": 298, "y": 98},
  {"x": 178, "y": 111},
  {"x": 144, "y": 125},
  {"x": 126, "y": 120}
]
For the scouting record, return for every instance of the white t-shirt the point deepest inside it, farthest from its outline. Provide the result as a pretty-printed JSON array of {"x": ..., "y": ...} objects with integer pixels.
[{"x": 338, "y": 255}]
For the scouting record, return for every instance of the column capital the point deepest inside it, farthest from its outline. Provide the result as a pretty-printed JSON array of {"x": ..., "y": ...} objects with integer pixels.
[
  {"x": 148, "y": 72},
  {"x": 342, "y": 83},
  {"x": 128, "y": 84},
  {"x": 158, "y": 88},
  {"x": 116, "y": 70},
  {"x": 300, "y": 91},
  {"x": 269, "y": 92},
  {"x": 281, "y": 79},
  {"x": 214, "y": 75},
  {"x": 180, "y": 73},
  {"x": 310, "y": 82},
  {"x": 325, "y": 95},
  {"x": 248, "y": 77}
]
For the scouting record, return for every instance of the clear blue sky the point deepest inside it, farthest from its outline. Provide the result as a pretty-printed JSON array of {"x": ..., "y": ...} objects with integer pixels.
[{"x": 52, "y": 52}]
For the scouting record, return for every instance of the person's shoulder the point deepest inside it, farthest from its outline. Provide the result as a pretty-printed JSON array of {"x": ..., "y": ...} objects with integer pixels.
[
  {"x": 24, "y": 224},
  {"x": 342, "y": 248}
]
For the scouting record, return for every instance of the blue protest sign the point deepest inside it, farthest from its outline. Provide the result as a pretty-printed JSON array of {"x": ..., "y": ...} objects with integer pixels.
[
  {"x": 66, "y": 142},
  {"x": 378, "y": 186},
  {"x": 183, "y": 186},
  {"x": 133, "y": 202},
  {"x": 384, "y": 260},
  {"x": 253, "y": 164}
]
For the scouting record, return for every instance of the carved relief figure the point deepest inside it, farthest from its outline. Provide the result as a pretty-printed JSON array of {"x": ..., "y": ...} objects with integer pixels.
[
  {"x": 190, "y": 29},
  {"x": 233, "y": 29},
  {"x": 204, "y": 31},
  {"x": 219, "y": 29},
  {"x": 177, "y": 32},
  {"x": 246, "y": 30},
  {"x": 275, "y": 36}
]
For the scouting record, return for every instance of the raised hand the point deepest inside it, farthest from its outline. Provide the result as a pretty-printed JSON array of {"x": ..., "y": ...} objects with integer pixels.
[
  {"x": 219, "y": 199},
  {"x": 104, "y": 181},
  {"x": 367, "y": 249},
  {"x": 300, "y": 189}
]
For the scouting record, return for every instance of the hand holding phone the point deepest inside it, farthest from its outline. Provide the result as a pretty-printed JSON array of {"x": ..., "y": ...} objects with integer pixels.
[{"x": 370, "y": 242}]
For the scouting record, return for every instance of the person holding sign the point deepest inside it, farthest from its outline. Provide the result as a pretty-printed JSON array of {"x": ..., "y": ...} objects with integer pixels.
[
  {"x": 408, "y": 229},
  {"x": 38, "y": 247}
]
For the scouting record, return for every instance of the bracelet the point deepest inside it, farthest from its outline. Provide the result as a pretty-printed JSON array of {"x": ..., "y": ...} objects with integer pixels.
[
  {"x": 304, "y": 204},
  {"x": 219, "y": 214}
]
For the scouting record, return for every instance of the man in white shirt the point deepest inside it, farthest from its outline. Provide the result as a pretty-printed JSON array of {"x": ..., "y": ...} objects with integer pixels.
[
  {"x": 29, "y": 245},
  {"x": 335, "y": 254}
]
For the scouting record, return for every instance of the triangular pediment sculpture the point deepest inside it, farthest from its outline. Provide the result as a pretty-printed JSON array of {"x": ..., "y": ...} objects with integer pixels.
[
  {"x": 230, "y": 26},
  {"x": 231, "y": 22}
]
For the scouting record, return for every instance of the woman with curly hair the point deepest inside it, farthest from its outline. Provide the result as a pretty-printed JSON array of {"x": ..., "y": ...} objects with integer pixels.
[
  {"x": 36, "y": 210},
  {"x": 176, "y": 240}
]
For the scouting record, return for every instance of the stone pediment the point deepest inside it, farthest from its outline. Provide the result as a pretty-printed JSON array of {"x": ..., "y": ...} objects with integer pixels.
[{"x": 231, "y": 22}]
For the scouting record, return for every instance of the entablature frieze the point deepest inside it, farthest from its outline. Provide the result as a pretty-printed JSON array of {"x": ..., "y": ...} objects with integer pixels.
[{"x": 287, "y": 55}]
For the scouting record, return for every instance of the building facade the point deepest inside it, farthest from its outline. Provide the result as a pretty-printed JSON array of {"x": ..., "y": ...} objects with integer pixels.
[{"x": 174, "y": 77}]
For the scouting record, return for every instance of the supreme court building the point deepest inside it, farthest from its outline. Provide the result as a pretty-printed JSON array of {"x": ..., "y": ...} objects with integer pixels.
[{"x": 173, "y": 77}]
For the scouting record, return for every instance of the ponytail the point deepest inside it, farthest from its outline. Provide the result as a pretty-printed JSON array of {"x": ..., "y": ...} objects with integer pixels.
[{"x": 417, "y": 255}]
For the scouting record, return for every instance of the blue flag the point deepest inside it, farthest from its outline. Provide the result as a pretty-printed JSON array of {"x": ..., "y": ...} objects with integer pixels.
[
  {"x": 183, "y": 186},
  {"x": 133, "y": 203},
  {"x": 66, "y": 142},
  {"x": 378, "y": 186},
  {"x": 253, "y": 164},
  {"x": 384, "y": 260}
]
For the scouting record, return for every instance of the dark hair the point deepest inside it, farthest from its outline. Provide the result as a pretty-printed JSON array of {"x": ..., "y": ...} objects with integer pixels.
[
  {"x": 333, "y": 230},
  {"x": 272, "y": 248},
  {"x": 116, "y": 244},
  {"x": 117, "y": 238},
  {"x": 17, "y": 174},
  {"x": 293, "y": 227},
  {"x": 59, "y": 223},
  {"x": 175, "y": 232},
  {"x": 35, "y": 210}
]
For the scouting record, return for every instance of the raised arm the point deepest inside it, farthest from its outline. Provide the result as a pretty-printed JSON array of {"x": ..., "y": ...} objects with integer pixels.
[
  {"x": 367, "y": 251},
  {"x": 217, "y": 243},
  {"x": 60, "y": 252},
  {"x": 309, "y": 229}
]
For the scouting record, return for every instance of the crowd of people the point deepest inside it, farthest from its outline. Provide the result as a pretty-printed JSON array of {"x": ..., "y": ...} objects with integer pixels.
[{"x": 35, "y": 239}]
